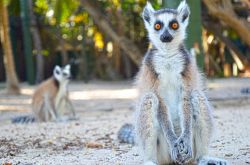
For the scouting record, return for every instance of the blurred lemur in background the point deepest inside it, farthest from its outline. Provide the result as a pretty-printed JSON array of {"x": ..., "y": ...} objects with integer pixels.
[
  {"x": 51, "y": 98},
  {"x": 173, "y": 116}
]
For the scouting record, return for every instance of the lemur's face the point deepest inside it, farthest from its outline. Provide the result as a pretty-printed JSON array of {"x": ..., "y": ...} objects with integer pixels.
[
  {"x": 62, "y": 74},
  {"x": 166, "y": 26}
]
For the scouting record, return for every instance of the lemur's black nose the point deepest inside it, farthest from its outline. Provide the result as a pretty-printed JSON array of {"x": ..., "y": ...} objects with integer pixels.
[{"x": 166, "y": 37}]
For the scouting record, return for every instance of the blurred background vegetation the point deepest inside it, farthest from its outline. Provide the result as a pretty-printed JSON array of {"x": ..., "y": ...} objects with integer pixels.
[{"x": 106, "y": 39}]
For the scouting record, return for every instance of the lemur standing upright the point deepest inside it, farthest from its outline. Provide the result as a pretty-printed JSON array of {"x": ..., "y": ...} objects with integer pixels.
[
  {"x": 51, "y": 99},
  {"x": 173, "y": 116}
]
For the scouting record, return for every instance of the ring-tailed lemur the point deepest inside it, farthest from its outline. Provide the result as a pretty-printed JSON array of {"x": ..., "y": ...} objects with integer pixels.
[
  {"x": 173, "y": 116},
  {"x": 51, "y": 98}
]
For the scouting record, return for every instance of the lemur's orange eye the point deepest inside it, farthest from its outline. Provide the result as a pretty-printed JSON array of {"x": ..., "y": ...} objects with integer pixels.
[
  {"x": 157, "y": 26},
  {"x": 175, "y": 25}
]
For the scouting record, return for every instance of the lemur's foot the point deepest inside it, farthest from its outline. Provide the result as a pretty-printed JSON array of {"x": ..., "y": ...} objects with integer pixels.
[
  {"x": 184, "y": 150},
  {"x": 150, "y": 163},
  {"x": 65, "y": 119},
  {"x": 61, "y": 119},
  {"x": 212, "y": 161},
  {"x": 73, "y": 118}
]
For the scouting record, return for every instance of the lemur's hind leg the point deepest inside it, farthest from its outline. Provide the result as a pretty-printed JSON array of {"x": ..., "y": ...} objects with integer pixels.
[
  {"x": 64, "y": 106},
  {"x": 202, "y": 129},
  {"x": 146, "y": 127},
  {"x": 71, "y": 107}
]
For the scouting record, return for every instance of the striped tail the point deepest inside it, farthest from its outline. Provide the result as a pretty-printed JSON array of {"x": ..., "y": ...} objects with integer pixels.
[
  {"x": 23, "y": 119},
  {"x": 126, "y": 134}
]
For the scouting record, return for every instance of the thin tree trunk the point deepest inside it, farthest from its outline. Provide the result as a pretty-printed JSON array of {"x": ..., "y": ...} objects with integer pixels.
[
  {"x": 29, "y": 61},
  {"x": 37, "y": 44},
  {"x": 121, "y": 56},
  {"x": 84, "y": 66},
  {"x": 116, "y": 57},
  {"x": 205, "y": 49},
  {"x": 194, "y": 29},
  {"x": 11, "y": 77},
  {"x": 127, "y": 45},
  {"x": 128, "y": 66},
  {"x": 64, "y": 53},
  {"x": 116, "y": 48}
]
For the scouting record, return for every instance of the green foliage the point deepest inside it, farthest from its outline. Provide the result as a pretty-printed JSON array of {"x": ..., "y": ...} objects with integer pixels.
[
  {"x": 6, "y": 2},
  {"x": 63, "y": 9},
  {"x": 41, "y": 6},
  {"x": 68, "y": 20}
]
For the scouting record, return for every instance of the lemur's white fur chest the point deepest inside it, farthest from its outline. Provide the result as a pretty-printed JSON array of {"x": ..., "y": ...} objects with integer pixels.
[
  {"x": 61, "y": 94},
  {"x": 169, "y": 68}
]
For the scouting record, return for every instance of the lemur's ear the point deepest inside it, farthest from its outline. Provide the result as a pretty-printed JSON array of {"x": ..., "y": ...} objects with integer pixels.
[
  {"x": 57, "y": 70},
  {"x": 183, "y": 11},
  {"x": 147, "y": 12},
  {"x": 67, "y": 67}
]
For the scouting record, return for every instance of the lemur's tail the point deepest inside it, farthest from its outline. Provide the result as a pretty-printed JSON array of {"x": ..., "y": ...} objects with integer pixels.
[
  {"x": 23, "y": 119},
  {"x": 126, "y": 134}
]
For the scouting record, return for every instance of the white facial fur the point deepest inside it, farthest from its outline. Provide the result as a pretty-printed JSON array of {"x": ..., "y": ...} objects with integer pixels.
[
  {"x": 62, "y": 74},
  {"x": 181, "y": 15}
]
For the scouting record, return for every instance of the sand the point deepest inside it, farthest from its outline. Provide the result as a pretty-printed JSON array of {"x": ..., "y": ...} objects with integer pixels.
[{"x": 102, "y": 108}]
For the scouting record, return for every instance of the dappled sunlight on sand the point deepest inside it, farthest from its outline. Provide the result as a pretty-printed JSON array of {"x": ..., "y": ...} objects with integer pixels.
[
  {"x": 104, "y": 94},
  {"x": 92, "y": 93},
  {"x": 27, "y": 91},
  {"x": 14, "y": 108},
  {"x": 15, "y": 101},
  {"x": 128, "y": 93}
]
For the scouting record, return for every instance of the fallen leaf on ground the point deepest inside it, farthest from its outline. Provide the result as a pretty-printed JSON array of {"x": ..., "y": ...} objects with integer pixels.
[
  {"x": 93, "y": 145},
  {"x": 7, "y": 163}
]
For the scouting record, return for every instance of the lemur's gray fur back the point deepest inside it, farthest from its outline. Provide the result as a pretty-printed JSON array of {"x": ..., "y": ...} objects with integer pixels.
[{"x": 126, "y": 134}]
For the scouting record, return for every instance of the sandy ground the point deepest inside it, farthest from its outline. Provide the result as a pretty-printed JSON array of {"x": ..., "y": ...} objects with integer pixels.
[{"x": 102, "y": 108}]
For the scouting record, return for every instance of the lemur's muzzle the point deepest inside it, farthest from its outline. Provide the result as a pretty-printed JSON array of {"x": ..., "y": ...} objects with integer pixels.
[{"x": 166, "y": 37}]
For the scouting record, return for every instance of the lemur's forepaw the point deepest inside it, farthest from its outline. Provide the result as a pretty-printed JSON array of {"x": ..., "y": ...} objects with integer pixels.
[
  {"x": 147, "y": 104},
  {"x": 184, "y": 151},
  {"x": 149, "y": 100},
  {"x": 174, "y": 153},
  {"x": 212, "y": 161}
]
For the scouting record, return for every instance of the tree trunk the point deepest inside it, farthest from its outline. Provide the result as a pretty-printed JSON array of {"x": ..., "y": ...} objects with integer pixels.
[
  {"x": 120, "y": 56},
  {"x": 127, "y": 45},
  {"x": 194, "y": 29},
  {"x": 37, "y": 44},
  {"x": 64, "y": 53},
  {"x": 29, "y": 63},
  {"x": 170, "y": 3},
  {"x": 116, "y": 48},
  {"x": 206, "y": 52},
  {"x": 83, "y": 67},
  {"x": 11, "y": 77}
]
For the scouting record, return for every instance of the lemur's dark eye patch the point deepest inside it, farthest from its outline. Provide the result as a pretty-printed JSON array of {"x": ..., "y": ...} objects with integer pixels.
[
  {"x": 57, "y": 72},
  {"x": 174, "y": 25},
  {"x": 158, "y": 25}
]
